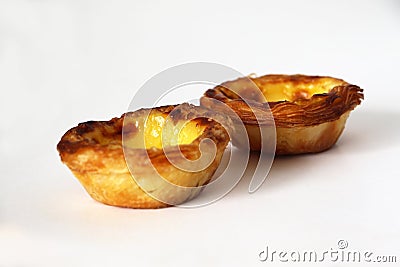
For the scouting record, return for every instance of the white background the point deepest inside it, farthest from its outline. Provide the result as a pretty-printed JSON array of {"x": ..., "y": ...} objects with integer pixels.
[{"x": 64, "y": 62}]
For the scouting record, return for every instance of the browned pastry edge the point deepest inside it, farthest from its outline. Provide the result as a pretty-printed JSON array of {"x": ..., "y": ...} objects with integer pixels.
[{"x": 317, "y": 109}]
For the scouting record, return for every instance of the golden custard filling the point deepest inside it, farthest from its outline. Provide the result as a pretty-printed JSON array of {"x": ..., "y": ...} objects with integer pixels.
[
  {"x": 149, "y": 132},
  {"x": 293, "y": 90},
  {"x": 275, "y": 88}
]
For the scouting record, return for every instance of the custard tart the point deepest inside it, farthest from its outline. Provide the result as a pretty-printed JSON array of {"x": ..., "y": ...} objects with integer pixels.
[
  {"x": 132, "y": 161},
  {"x": 309, "y": 112}
]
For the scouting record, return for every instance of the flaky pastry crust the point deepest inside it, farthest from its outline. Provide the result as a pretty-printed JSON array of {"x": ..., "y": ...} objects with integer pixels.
[
  {"x": 96, "y": 155},
  {"x": 309, "y": 112}
]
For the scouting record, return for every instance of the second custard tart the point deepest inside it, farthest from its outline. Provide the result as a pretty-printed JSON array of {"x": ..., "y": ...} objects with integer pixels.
[{"x": 309, "y": 112}]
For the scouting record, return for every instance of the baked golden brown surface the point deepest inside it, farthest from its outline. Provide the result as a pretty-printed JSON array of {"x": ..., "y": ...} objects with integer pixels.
[
  {"x": 101, "y": 153},
  {"x": 309, "y": 112}
]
